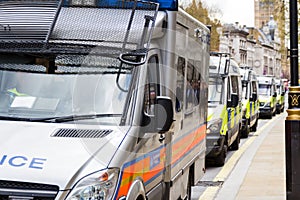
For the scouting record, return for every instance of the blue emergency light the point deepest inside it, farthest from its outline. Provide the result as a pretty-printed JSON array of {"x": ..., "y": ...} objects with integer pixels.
[{"x": 163, "y": 4}]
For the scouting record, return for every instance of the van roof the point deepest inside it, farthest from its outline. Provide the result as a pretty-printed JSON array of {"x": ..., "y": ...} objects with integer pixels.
[
  {"x": 217, "y": 66},
  {"x": 28, "y": 26},
  {"x": 266, "y": 79},
  {"x": 248, "y": 74}
]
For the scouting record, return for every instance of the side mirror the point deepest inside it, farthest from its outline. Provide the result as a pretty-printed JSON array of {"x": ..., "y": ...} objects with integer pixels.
[
  {"x": 234, "y": 100},
  {"x": 162, "y": 119},
  {"x": 164, "y": 114},
  {"x": 254, "y": 97}
]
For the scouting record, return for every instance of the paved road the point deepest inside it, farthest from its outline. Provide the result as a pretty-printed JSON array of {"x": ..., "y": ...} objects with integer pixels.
[{"x": 237, "y": 163}]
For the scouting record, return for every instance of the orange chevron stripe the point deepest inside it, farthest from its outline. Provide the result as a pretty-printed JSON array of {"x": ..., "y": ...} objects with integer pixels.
[{"x": 142, "y": 167}]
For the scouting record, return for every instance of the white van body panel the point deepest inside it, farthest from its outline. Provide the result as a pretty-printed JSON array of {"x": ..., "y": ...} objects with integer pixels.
[
  {"x": 142, "y": 161},
  {"x": 39, "y": 157}
]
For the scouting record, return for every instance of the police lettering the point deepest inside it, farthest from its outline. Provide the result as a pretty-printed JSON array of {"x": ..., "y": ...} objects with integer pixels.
[{"x": 22, "y": 161}]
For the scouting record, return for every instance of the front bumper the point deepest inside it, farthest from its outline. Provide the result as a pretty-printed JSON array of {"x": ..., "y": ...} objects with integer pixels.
[
  {"x": 265, "y": 111},
  {"x": 214, "y": 145}
]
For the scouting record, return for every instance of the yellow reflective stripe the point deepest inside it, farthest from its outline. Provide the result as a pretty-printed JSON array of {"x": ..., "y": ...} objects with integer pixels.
[
  {"x": 248, "y": 111},
  {"x": 224, "y": 116},
  {"x": 210, "y": 117}
]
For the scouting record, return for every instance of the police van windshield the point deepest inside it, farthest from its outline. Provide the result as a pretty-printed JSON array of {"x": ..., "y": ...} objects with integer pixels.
[
  {"x": 217, "y": 64},
  {"x": 77, "y": 85},
  {"x": 215, "y": 90},
  {"x": 264, "y": 89}
]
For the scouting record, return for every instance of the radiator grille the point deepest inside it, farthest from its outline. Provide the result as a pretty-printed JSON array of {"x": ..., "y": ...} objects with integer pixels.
[
  {"x": 25, "y": 190},
  {"x": 82, "y": 133}
]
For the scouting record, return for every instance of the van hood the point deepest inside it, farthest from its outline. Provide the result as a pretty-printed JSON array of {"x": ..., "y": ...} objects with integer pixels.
[
  {"x": 263, "y": 98},
  {"x": 215, "y": 111},
  {"x": 31, "y": 152}
]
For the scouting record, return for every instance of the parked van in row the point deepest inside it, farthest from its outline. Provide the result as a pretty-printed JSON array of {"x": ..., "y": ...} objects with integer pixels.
[
  {"x": 224, "y": 121},
  {"x": 250, "y": 110},
  {"x": 104, "y": 100},
  {"x": 280, "y": 100},
  {"x": 267, "y": 96}
]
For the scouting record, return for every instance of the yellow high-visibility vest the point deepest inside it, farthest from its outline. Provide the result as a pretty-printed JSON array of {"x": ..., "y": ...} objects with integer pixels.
[{"x": 15, "y": 92}]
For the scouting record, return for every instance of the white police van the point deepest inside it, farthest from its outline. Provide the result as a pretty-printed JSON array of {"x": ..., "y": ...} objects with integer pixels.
[
  {"x": 250, "y": 110},
  {"x": 224, "y": 120},
  {"x": 267, "y": 96},
  {"x": 101, "y": 100}
]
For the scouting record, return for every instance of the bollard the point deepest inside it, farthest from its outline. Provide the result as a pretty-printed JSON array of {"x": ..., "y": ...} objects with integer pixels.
[{"x": 292, "y": 144}]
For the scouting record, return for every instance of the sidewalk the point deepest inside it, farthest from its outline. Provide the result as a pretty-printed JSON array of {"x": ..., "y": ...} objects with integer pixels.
[{"x": 264, "y": 176}]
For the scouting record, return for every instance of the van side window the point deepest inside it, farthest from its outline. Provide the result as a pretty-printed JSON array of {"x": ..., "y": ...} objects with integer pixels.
[
  {"x": 229, "y": 89},
  {"x": 235, "y": 85},
  {"x": 193, "y": 78},
  {"x": 180, "y": 83},
  {"x": 254, "y": 88},
  {"x": 188, "y": 85},
  {"x": 152, "y": 85}
]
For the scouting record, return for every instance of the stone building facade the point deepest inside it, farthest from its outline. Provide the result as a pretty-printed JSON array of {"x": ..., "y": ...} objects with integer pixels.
[{"x": 253, "y": 48}]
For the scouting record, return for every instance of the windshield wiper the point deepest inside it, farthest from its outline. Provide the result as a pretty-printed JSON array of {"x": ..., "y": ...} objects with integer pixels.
[
  {"x": 60, "y": 119},
  {"x": 14, "y": 118},
  {"x": 68, "y": 118}
]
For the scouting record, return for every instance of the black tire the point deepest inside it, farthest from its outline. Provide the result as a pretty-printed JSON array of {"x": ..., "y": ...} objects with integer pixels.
[
  {"x": 219, "y": 161},
  {"x": 246, "y": 131},
  {"x": 270, "y": 116},
  {"x": 235, "y": 145},
  {"x": 254, "y": 127},
  {"x": 278, "y": 111}
]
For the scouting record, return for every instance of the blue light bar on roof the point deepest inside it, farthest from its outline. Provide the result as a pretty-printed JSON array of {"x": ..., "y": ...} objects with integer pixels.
[
  {"x": 166, "y": 4},
  {"x": 163, "y": 4}
]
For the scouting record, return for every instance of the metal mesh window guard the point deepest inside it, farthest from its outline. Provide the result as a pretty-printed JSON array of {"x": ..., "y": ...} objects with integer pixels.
[{"x": 55, "y": 26}]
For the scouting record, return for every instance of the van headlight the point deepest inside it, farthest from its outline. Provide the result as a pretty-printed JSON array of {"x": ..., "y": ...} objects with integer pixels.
[
  {"x": 214, "y": 126},
  {"x": 100, "y": 185},
  {"x": 267, "y": 104}
]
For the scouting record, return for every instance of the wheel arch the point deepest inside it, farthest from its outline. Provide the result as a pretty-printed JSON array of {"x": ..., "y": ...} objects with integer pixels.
[{"x": 137, "y": 190}]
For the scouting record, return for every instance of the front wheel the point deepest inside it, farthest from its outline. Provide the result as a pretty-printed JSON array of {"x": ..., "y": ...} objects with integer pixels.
[
  {"x": 246, "y": 130},
  {"x": 254, "y": 127},
  {"x": 220, "y": 159},
  {"x": 270, "y": 115},
  {"x": 235, "y": 145}
]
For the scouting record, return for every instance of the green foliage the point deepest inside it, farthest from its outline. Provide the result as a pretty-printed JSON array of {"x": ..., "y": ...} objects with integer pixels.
[{"x": 198, "y": 11}]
